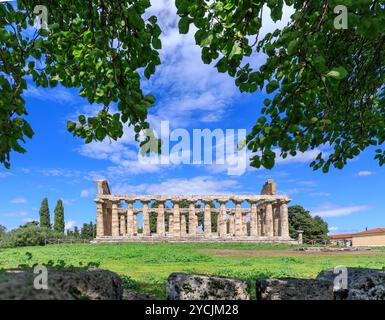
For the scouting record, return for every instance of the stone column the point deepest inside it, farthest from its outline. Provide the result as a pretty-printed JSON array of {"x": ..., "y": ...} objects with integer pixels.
[
  {"x": 176, "y": 226},
  {"x": 160, "y": 220},
  {"x": 115, "y": 219},
  {"x": 222, "y": 220},
  {"x": 99, "y": 218},
  {"x": 284, "y": 220},
  {"x": 244, "y": 224},
  {"x": 260, "y": 221},
  {"x": 130, "y": 219},
  {"x": 276, "y": 221},
  {"x": 253, "y": 220},
  {"x": 207, "y": 219},
  {"x": 192, "y": 227},
  {"x": 135, "y": 224},
  {"x": 145, "y": 219},
  {"x": 123, "y": 230},
  {"x": 300, "y": 236},
  {"x": 232, "y": 224},
  {"x": 238, "y": 220},
  {"x": 183, "y": 225},
  {"x": 269, "y": 220},
  {"x": 171, "y": 225}
]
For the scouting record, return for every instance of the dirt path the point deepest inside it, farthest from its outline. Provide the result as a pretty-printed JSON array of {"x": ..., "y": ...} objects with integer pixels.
[{"x": 281, "y": 253}]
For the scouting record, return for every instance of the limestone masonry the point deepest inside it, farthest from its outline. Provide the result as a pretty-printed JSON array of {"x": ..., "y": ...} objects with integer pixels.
[{"x": 254, "y": 218}]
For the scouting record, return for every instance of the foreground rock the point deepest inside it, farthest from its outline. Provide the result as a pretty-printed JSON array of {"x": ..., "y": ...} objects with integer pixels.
[
  {"x": 181, "y": 286},
  {"x": 132, "y": 295},
  {"x": 362, "y": 284},
  {"x": 62, "y": 285},
  {"x": 294, "y": 289}
]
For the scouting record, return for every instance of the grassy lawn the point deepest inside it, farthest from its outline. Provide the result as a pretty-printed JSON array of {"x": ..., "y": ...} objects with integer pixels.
[{"x": 148, "y": 265}]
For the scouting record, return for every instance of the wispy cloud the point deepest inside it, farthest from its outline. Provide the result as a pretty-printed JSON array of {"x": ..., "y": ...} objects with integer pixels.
[
  {"x": 19, "y": 201},
  {"x": 320, "y": 194},
  {"x": 85, "y": 193},
  {"x": 19, "y": 214},
  {"x": 364, "y": 173},
  {"x": 5, "y": 174},
  {"x": 199, "y": 185},
  {"x": 333, "y": 211},
  {"x": 70, "y": 224},
  {"x": 58, "y": 95}
]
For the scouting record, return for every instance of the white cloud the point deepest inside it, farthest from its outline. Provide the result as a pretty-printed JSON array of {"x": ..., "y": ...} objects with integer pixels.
[
  {"x": 199, "y": 185},
  {"x": 332, "y": 229},
  {"x": 320, "y": 194},
  {"x": 5, "y": 174},
  {"x": 85, "y": 193},
  {"x": 58, "y": 95},
  {"x": 70, "y": 224},
  {"x": 19, "y": 201},
  {"x": 20, "y": 214},
  {"x": 189, "y": 93},
  {"x": 364, "y": 173},
  {"x": 60, "y": 172},
  {"x": 68, "y": 202},
  {"x": 333, "y": 211},
  {"x": 300, "y": 157}
]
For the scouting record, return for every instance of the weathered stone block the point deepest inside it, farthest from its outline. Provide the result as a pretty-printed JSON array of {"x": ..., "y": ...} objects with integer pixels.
[
  {"x": 294, "y": 289},
  {"x": 362, "y": 284},
  {"x": 181, "y": 286},
  {"x": 62, "y": 285}
]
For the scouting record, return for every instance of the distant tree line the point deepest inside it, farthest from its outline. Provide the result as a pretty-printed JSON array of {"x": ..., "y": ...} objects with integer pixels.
[{"x": 36, "y": 233}]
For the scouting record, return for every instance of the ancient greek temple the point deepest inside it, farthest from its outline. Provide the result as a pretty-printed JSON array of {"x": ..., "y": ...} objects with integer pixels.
[{"x": 238, "y": 218}]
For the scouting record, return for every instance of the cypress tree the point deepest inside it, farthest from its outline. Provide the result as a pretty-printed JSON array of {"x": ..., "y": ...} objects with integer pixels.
[
  {"x": 45, "y": 221},
  {"x": 76, "y": 232},
  {"x": 59, "y": 217}
]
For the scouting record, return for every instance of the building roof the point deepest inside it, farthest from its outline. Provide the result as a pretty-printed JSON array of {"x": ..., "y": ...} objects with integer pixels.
[
  {"x": 368, "y": 232},
  {"x": 340, "y": 236},
  {"x": 363, "y": 233}
]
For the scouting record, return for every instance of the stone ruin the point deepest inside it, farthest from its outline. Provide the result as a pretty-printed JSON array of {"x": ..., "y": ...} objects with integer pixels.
[{"x": 266, "y": 214}]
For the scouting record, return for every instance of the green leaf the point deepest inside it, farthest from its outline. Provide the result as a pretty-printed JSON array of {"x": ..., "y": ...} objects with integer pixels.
[
  {"x": 184, "y": 25},
  {"x": 236, "y": 50},
  {"x": 272, "y": 86},
  {"x": 222, "y": 65},
  {"x": 229, "y": 5},
  {"x": 338, "y": 73},
  {"x": 156, "y": 43},
  {"x": 87, "y": 37},
  {"x": 71, "y": 126}
]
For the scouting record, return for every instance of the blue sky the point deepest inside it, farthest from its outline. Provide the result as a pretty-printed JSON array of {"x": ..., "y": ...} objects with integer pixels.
[{"x": 190, "y": 95}]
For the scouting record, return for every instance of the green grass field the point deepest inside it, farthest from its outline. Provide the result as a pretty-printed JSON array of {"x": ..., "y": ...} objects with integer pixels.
[{"x": 148, "y": 265}]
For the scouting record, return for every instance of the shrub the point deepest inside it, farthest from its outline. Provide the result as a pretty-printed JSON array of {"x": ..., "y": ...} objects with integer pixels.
[{"x": 29, "y": 234}]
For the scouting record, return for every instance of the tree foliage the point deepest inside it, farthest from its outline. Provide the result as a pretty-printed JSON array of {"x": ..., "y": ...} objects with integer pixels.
[
  {"x": 314, "y": 228},
  {"x": 88, "y": 231},
  {"x": 59, "y": 223},
  {"x": 2, "y": 230},
  {"x": 94, "y": 46},
  {"x": 29, "y": 234},
  {"x": 326, "y": 85},
  {"x": 45, "y": 220}
]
